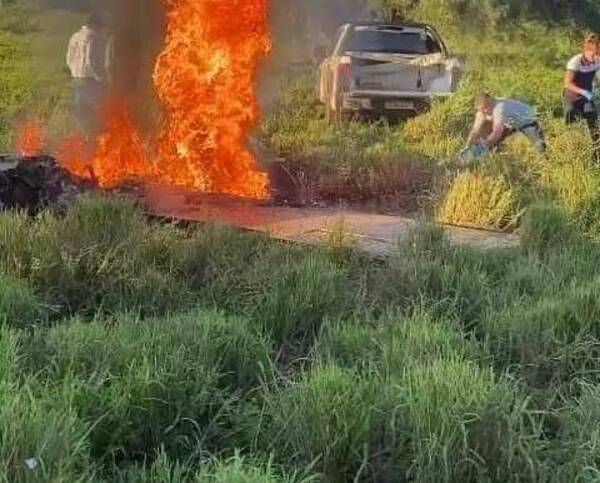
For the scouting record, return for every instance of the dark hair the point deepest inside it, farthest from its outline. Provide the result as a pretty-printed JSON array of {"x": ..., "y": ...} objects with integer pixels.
[
  {"x": 94, "y": 20},
  {"x": 591, "y": 40}
]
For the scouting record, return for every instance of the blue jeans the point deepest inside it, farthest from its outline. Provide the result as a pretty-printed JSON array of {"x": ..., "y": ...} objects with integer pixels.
[{"x": 89, "y": 95}]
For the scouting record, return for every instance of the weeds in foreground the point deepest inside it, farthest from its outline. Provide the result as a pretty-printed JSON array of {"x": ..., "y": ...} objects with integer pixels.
[{"x": 438, "y": 363}]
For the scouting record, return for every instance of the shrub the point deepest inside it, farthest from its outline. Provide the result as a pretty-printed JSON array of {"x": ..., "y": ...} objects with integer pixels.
[
  {"x": 428, "y": 272},
  {"x": 164, "y": 383},
  {"x": 548, "y": 340},
  {"x": 9, "y": 360},
  {"x": 392, "y": 345},
  {"x": 238, "y": 470},
  {"x": 233, "y": 470},
  {"x": 580, "y": 435},
  {"x": 101, "y": 254},
  {"x": 352, "y": 344},
  {"x": 406, "y": 342}
]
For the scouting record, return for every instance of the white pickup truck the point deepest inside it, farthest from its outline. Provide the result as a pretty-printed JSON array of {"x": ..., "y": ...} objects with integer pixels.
[{"x": 387, "y": 70}]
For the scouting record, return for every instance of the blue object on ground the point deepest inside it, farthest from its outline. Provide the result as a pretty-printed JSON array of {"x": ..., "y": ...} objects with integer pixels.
[{"x": 476, "y": 151}]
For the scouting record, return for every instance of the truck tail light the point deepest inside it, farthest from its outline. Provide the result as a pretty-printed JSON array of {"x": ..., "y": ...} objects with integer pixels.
[{"x": 345, "y": 73}]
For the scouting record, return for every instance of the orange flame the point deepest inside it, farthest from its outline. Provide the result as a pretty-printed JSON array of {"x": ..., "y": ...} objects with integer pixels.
[
  {"x": 205, "y": 79},
  {"x": 117, "y": 156},
  {"x": 30, "y": 138}
]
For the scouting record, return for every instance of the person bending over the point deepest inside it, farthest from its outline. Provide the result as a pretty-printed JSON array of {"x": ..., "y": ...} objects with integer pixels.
[{"x": 497, "y": 119}]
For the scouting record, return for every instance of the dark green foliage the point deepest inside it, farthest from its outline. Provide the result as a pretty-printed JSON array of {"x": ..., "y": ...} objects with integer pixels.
[
  {"x": 20, "y": 307},
  {"x": 326, "y": 417},
  {"x": 167, "y": 383}
]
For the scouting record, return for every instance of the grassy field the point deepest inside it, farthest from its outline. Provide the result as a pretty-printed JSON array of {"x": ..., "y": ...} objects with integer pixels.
[
  {"x": 138, "y": 351},
  {"x": 135, "y": 351}
]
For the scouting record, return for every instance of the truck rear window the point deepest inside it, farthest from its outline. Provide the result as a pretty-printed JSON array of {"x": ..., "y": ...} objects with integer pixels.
[{"x": 390, "y": 40}]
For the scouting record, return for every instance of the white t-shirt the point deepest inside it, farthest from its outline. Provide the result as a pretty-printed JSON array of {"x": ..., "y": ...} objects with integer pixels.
[
  {"x": 86, "y": 56},
  {"x": 585, "y": 72},
  {"x": 508, "y": 113}
]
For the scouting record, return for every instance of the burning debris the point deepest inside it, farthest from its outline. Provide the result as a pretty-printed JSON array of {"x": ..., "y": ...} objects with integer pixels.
[
  {"x": 205, "y": 82},
  {"x": 34, "y": 182}
]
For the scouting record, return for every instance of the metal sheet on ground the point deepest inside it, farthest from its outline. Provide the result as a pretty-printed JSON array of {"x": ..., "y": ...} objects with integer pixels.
[{"x": 373, "y": 233}]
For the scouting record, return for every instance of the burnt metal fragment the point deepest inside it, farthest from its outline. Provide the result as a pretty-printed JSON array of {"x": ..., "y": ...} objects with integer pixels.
[{"x": 33, "y": 183}]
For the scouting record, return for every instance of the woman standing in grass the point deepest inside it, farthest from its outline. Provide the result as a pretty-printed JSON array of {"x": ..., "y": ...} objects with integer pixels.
[{"x": 579, "y": 85}]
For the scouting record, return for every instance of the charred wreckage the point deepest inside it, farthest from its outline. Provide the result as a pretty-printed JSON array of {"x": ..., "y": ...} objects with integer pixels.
[{"x": 32, "y": 183}]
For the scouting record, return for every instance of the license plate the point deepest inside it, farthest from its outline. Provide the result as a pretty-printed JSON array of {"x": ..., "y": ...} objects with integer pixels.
[{"x": 399, "y": 105}]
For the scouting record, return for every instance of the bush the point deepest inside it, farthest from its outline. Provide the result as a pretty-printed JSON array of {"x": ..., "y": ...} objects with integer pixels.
[
  {"x": 392, "y": 345},
  {"x": 101, "y": 255},
  {"x": 351, "y": 344},
  {"x": 232, "y": 470},
  {"x": 429, "y": 272},
  {"x": 292, "y": 292},
  {"x": 549, "y": 340},
  {"x": 579, "y": 427},
  {"x": 406, "y": 342},
  {"x": 165, "y": 383}
]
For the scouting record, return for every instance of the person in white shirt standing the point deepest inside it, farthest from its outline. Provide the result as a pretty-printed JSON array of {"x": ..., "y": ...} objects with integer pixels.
[
  {"x": 87, "y": 59},
  {"x": 578, "y": 93}
]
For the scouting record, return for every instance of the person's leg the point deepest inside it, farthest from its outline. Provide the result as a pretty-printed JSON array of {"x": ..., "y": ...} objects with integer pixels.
[
  {"x": 91, "y": 93},
  {"x": 536, "y": 136},
  {"x": 573, "y": 109},
  {"x": 79, "y": 107},
  {"x": 592, "y": 122}
]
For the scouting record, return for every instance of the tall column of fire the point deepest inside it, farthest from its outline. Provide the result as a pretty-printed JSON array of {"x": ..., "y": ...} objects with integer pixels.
[{"x": 205, "y": 79}]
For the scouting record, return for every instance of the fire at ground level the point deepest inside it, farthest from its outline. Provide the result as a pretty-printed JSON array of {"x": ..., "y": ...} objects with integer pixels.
[{"x": 35, "y": 182}]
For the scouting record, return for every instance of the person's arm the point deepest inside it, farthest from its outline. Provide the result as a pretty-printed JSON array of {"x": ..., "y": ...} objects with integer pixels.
[
  {"x": 572, "y": 87},
  {"x": 498, "y": 127},
  {"x": 572, "y": 68},
  {"x": 475, "y": 134},
  {"x": 497, "y": 132},
  {"x": 71, "y": 54}
]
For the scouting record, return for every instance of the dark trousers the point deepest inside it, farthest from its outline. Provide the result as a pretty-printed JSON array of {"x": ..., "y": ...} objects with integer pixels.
[
  {"x": 578, "y": 109},
  {"x": 532, "y": 131},
  {"x": 89, "y": 96}
]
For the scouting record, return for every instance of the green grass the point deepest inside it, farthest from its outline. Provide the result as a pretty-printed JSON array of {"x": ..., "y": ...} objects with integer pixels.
[
  {"x": 35, "y": 82},
  {"x": 139, "y": 350}
]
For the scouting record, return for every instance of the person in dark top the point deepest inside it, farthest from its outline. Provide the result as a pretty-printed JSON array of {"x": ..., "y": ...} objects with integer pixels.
[{"x": 578, "y": 90}]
